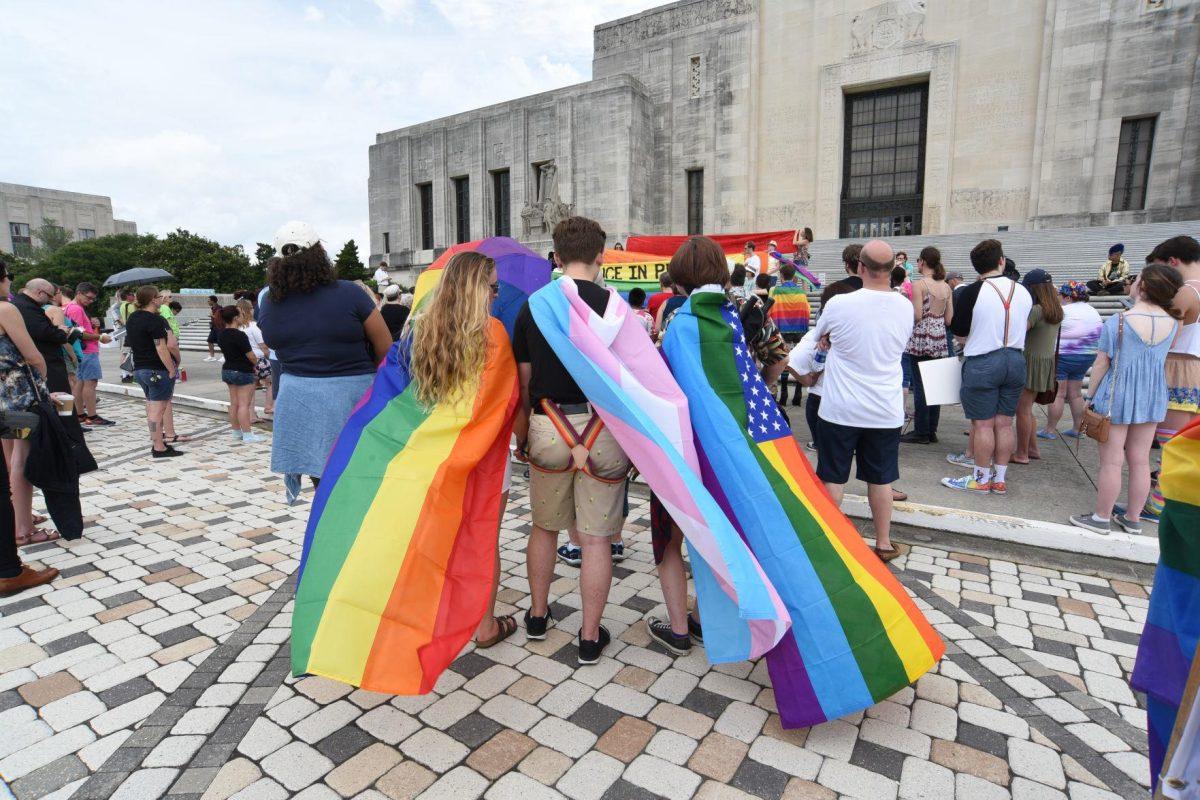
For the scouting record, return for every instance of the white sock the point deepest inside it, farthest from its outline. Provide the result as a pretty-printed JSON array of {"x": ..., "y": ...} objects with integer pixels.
[
  {"x": 1001, "y": 471},
  {"x": 1099, "y": 519},
  {"x": 982, "y": 475}
]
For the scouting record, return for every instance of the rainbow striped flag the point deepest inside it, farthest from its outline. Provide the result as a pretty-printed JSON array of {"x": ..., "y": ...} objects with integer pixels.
[
  {"x": 1172, "y": 631},
  {"x": 399, "y": 553},
  {"x": 856, "y": 636},
  {"x": 790, "y": 311},
  {"x": 616, "y": 365}
]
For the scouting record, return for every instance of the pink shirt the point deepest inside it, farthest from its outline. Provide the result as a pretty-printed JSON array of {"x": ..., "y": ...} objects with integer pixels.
[{"x": 79, "y": 316}]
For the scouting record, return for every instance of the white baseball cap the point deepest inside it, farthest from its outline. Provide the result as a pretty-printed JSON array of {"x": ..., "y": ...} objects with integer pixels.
[{"x": 300, "y": 234}]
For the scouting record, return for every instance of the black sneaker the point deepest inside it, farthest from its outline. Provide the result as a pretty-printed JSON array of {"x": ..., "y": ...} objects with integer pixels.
[
  {"x": 915, "y": 438},
  {"x": 660, "y": 631},
  {"x": 695, "y": 631},
  {"x": 570, "y": 555},
  {"x": 535, "y": 627},
  {"x": 618, "y": 552},
  {"x": 170, "y": 452},
  {"x": 589, "y": 651},
  {"x": 100, "y": 421}
]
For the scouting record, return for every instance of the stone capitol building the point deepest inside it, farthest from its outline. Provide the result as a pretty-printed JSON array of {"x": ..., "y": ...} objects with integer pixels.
[{"x": 856, "y": 118}]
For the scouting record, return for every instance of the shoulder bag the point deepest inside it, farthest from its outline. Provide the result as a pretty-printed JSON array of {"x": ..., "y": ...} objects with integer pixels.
[{"x": 1094, "y": 424}]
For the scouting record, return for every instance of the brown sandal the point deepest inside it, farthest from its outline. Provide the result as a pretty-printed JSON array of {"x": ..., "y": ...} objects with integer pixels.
[
  {"x": 39, "y": 536},
  {"x": 887, "y": 555},
  {"x": 506, "y": 627},
  {"x": 38, "y": 519}
]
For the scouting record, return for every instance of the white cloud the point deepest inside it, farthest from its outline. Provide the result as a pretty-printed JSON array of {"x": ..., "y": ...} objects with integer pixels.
[{"x": 228, "y": 118}]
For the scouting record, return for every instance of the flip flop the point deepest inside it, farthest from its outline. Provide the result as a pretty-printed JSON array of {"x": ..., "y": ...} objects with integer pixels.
[
  {"x": 38, "y": 519},
  {"x": 1016, "y": 461},
  {"x": 177, "y": 439},
  {"x": 41, "y": 536},
  {"x": 887, "y": 555},
  {"x": 506, "y": 626}
]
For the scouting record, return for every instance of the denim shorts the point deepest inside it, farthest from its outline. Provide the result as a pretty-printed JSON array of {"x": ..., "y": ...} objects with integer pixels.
[
  {"x": 235, "y": 378},
  {"x": 89, "y": 368},
  {"x": 155, "y": 383},
  {"x": 1074, "y": 367},
  {"x": 992, "y": 383}
]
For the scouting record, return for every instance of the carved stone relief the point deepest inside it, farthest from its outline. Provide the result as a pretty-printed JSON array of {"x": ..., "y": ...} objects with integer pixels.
[
  {"x": 983, "y": 205},
  {"x": 540, "y": 215},
  {"x": 671, "y": 19},
  {"x": 790, "y": 215},
  {"x": 895, "y": 23}
]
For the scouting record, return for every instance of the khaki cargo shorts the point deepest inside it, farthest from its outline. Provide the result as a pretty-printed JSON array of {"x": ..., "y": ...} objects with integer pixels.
[{"x": 562, "y": 500}]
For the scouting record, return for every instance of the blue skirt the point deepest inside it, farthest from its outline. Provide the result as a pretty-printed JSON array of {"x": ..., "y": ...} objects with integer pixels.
[{"x": 309, "y": 415}]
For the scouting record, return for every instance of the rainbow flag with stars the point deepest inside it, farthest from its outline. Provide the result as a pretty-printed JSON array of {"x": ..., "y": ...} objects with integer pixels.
[
  {"x": 1172, "y": 633},
  {"x": 400, "y": 549},
  {"x": 856, "y": 636}
]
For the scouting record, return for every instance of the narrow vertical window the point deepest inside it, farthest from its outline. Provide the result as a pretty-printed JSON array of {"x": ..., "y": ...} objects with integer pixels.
[
  {"x": 695, "y": 202},
  {"x": 462, "y": 209},
  {"x": 501, "y": 212},
  {"x": 1133, "y": 164},
  {"x": 695, "y": 76},
  {"x": 425, "y": 201}
]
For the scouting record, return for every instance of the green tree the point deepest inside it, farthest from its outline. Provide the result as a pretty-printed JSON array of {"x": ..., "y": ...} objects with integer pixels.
[
  {"x": 348, "y": 265},
  {"x": 90, "y": 260},
  {"x": 202, "y": 263},
  {"x": 53, "y": 237},
  {"x": 263, "y": 253}
]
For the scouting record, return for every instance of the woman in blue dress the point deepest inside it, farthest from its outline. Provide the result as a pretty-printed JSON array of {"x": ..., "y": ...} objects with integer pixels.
[{"x": 1131, "y": 389}]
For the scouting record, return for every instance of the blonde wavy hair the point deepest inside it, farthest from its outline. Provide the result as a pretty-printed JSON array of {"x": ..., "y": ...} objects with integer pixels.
[
  {"x": 246, "y": 313},
  {"x": 450, "y": 332}
]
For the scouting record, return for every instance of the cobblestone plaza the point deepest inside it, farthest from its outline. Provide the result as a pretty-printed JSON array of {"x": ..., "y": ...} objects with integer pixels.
[{"x": 158, "y": 666}]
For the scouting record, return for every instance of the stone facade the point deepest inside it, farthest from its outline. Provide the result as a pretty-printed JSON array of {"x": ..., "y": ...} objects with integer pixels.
[
  {"x": 82, "y": 215},
  {"x": 1025, "y": 103}
]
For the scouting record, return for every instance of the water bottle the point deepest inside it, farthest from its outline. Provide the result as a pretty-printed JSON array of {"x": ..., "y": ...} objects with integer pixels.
[{"x": 818, "y": 358}]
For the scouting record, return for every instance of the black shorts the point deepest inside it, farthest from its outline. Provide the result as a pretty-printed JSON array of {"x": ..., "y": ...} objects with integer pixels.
[
  {"x": 876, "y": 450},
  {"x": 212, "y": 335}
]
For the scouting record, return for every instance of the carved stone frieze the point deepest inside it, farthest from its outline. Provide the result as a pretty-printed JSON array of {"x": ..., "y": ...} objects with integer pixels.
[
  {"x": 895, "y": 23},
  {"x": 620, "y": 35},
  {"x": 982, "y": 205}
]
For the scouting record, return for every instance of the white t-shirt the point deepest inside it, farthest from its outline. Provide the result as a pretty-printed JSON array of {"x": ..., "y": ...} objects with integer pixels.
[
  {"x": 801, "y": 359},
  {"x": 868, "y": 331},
  {"x": 987, "y": 316},
  {"x": 753, "y": 265},
  {"x": 254, "y": 334}
]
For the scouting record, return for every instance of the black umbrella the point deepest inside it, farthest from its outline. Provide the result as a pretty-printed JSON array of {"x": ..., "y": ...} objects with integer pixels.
[{"x": 137, "y": 275}]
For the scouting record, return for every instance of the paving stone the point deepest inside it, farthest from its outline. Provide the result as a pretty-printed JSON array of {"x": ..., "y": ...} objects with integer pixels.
[
  {"x": 501, "y": 753},
  {"x": 798, "y": 789},
  {"x": 785, "y": 757},
  {"x": 474, "y": 729},
  {"x": 449, "y": 710},
  {"x": 362, "y": 770},
  {"x": 263, "y": 738},
  {"x": 46, "y": 780},
  {"x": 145, "y": 783},
  {"x": 595, "y": 717},
  {"x": 529, "y": 689},
  {"x": 895, "y": 737},
  {"x": 835, "y": 739},
  {"x": 626, "y": 738},
  {"x": 934, "y": 719},
  {"x": 741, "y": 721},
  {"x": 590, "y": 777},
  {"x": 461, "y": 783},
  {"x": 563, "y": 700},
  {"x": 681, "y": 720},
  {"x": 434, "y": 749},
  {"x": 961, "y": 758},
  {"x": 263, "y": 789},
  {"x": 344, "y": 744},
  {"x": 406, "y": 780},
  {"x": 662, "y": 777},
  {"x": 924, "y": 780},
  {"x": 563, "y": 736},
  {"x": 69, "y": 711},
  {"x": 325, "y": 721},
  {"x": 296, "y": 765},
  {"x": 671, "y": 746},
  {"x": 511, "y": 712},
  {"x": 387, "y": 724},
  {"x": 515, "y": 786},
  {"x": 44, "y": 691},
  {"x": 856, "y": 782},
  {"x": 546, "y": 765},
  {"x": 718, "y": 757},
  {"x": 970, "y": 787}
]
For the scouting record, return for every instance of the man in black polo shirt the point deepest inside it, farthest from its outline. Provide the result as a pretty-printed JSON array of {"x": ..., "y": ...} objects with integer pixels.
[{"x": 580, "y": 487}]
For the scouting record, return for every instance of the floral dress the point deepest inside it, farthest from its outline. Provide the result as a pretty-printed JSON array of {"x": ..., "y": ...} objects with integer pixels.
[
  {"x": 929, "y": 334},
  {"x": 18, "y": 392}
]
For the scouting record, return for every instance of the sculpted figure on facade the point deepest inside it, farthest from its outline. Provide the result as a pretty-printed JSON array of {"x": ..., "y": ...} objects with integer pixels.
[
  {"x": 548, "y": 210},
  {"x": 892, "y": 24}
]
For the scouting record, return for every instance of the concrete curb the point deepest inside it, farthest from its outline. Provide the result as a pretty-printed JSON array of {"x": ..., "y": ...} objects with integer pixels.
[
  {"x": 998, "y": 527},
  {"x": 1141, "y": 549}
]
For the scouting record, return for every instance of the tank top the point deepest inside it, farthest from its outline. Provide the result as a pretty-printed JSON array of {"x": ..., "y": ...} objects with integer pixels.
[{"x": 1188, "y": 342}]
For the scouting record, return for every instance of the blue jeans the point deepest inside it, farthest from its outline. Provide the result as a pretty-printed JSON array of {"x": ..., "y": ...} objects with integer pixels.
[
  {"x": 155, "y": 383},
  {"x": 925, "y": 417}
]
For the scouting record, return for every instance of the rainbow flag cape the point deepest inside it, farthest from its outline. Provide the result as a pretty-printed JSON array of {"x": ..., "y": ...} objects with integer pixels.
[
  {"x": 856, "y": 636},
  {"x": 399, "y": 553},
  {"x": 613, "y": 360},
  {"x": 1172, "y": 631},
  {"x": 790, "y": 311}
]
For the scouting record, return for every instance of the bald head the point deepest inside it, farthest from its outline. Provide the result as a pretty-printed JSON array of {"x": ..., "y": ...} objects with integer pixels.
[
  {"x": 39, "y": 286},
  {"x": 876, "y": 256}
]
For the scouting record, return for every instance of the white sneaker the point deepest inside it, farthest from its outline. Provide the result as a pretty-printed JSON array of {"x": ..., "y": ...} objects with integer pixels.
[
  {"x": 236, "y": 434},
  {"x": 210, "y": 358},
  {"x": 253, "y": 437}
]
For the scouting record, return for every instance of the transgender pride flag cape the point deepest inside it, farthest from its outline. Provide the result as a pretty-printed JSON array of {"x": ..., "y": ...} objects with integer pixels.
[
  {"x": 613, "y": 360},
  {"x": 400, "y": 549},
  {"x": 856, "y": 636},
  {"x": 1172, "y": 631}
]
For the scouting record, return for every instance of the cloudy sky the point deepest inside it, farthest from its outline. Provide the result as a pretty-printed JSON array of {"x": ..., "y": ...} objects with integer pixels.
[{"x": 228, "y": 117}]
